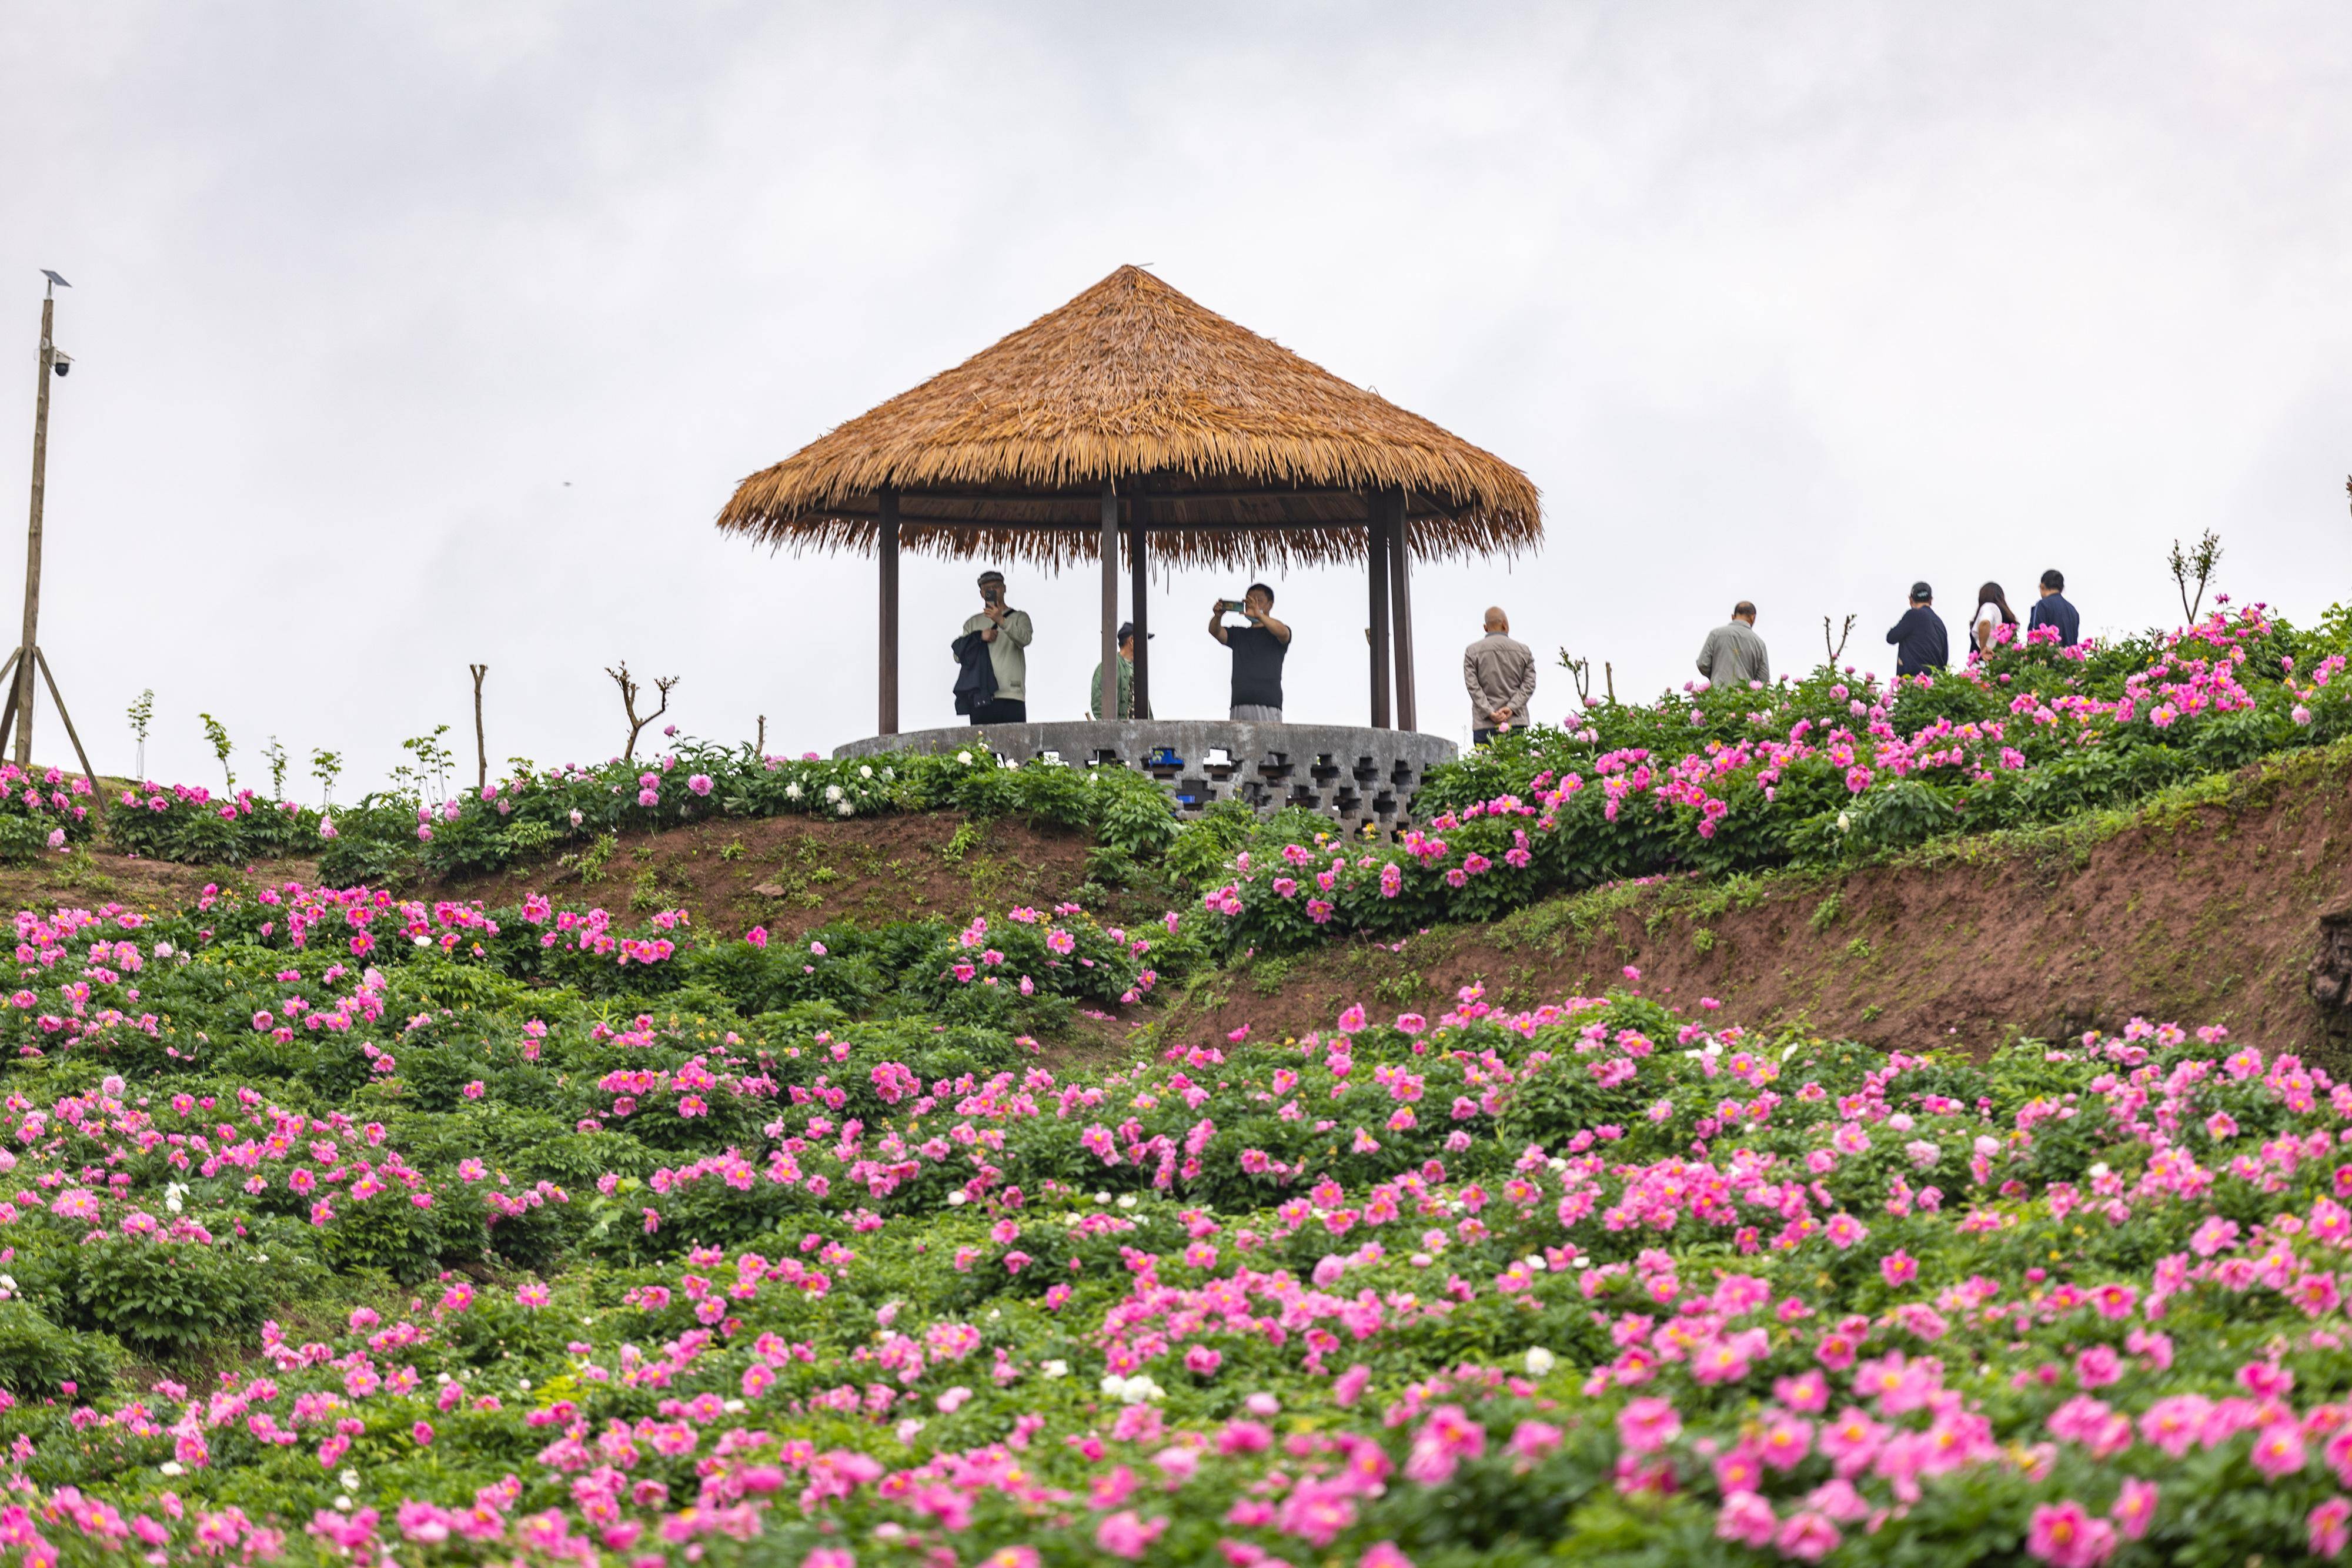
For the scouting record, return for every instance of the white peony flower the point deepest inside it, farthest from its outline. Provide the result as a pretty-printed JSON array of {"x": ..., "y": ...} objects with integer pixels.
[
  {"x": 1541, "y": 1361},
  {"x": 1056, "y": 1367}
]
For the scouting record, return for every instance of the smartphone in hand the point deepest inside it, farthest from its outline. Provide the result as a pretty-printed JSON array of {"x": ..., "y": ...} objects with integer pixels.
[{"x": 1230, "y": 607}]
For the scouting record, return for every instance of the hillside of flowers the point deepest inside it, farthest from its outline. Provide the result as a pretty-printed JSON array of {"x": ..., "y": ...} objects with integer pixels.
[
  {"x": 1838, "y": 767},
  {"x": 1827, "y": 771},
  {"x": 345, "y": 1229}
]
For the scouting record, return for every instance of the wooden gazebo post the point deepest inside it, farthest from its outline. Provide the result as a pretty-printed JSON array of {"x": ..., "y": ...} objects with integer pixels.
[
  {"x": 1110, "y": 599},
  {"x": 885, "y": 552},
  {"x": 1136, "y": 528},
  {"x": 1401, "y": 572},
  {"x": 1376, "y": 557}
]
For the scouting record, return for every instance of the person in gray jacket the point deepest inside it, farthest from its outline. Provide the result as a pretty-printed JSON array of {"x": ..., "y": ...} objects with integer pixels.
[
  {"x": 1733, "y": 652},
  {"x": 1500, "y": 671}
]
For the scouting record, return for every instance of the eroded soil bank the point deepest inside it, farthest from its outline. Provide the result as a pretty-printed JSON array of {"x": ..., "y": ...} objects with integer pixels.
[{"x": 2204, "y": 909}]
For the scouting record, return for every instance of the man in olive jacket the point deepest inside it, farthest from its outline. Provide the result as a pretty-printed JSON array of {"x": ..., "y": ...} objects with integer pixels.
[{"x": 1500, "y": 671}]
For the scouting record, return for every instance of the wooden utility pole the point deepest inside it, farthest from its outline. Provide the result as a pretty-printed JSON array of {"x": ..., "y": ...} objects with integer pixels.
[
  {"x": 482, "y": 746},
  {"x": 27, "y": 661},
  {"x": 23, "y": 700}
]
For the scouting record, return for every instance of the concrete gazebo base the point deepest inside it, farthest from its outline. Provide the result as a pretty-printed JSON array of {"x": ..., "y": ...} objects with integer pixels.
[{"x": 1351, "y": 776}]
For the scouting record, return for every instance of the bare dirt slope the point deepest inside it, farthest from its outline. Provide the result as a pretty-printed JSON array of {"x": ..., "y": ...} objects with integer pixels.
[
  {"x": 789, "y": 873},
  {"x": 794, "y": 874},
  {"x": 2205, "y": 909}
]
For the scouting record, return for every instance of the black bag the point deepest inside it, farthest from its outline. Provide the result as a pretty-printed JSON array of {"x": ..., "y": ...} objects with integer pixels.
[{"x": 975, "y": 685}]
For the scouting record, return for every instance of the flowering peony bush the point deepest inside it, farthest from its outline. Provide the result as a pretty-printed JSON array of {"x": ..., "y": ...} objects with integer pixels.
[{"x": 387, "y": 836}]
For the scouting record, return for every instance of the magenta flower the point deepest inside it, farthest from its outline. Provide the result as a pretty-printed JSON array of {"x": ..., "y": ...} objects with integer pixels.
[
  {"x": 1123, "y": 1535},
  {"x": 1747, "y": 1519},
  {"x": 2327, "y": 1525},
  {"x": 2134, "y": 1510},
  {"x": 2278, "y": 1450},
  {"x": 1648, "y": 1423},
  {"x": 2063, "y": 1536},
  {"x": 1809, "y": 1537}
]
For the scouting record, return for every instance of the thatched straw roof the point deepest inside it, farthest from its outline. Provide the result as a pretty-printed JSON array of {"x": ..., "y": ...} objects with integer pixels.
[{"x": 1238, "y": 450}]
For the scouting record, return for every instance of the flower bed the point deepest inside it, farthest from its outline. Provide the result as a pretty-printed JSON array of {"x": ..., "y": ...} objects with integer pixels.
[{"x": 522, "y": 1236}]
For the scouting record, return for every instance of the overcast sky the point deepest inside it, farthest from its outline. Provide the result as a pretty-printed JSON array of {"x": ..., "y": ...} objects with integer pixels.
[{"x": 411, "y": 336}]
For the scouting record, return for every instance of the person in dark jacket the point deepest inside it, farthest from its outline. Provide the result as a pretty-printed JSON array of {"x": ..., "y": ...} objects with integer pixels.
[
  {"x": 1918, "y": 637},
  {"x": 2053, "y": 611}
]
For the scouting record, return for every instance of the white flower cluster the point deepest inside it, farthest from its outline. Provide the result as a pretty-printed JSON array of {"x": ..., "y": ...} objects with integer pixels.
[{"x": 1134, "y": 1390}]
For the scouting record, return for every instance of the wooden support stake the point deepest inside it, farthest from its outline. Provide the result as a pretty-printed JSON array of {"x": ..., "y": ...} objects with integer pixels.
[
  {"x": 1609, "y": 673},
  {"x": 482, "y": 746},
  {"x": 8, "y": 709},
  {"x": 97, "y": 795},
  {"x": 760, "y": 745}
]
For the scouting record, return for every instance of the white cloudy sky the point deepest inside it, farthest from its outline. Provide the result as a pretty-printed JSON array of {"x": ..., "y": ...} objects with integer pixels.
[{"x": 1795, "y": 302}]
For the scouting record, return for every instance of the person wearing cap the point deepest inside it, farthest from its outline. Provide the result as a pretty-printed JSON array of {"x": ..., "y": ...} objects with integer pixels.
[
  {"x": 1734, "y": 652},
  {"x": 1918, "y": 638},
  {"x": 1500, "y": 673},
  {"x": 1006, "y": 631},
  {"x": 1125, "y": 675}
]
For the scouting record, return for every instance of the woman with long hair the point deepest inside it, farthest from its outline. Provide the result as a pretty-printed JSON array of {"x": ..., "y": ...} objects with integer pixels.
[{"x": 1992, "y": 613}]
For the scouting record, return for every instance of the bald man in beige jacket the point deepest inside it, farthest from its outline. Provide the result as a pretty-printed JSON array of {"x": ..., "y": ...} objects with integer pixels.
[{"x": 1500, "y": 671}]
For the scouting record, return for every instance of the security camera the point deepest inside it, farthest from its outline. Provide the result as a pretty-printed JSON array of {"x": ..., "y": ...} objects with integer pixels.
[{"x": 60, "y": 362}]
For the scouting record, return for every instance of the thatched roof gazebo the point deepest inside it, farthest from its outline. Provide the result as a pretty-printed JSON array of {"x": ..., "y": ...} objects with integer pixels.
[{"x": 1133, "y": 412}]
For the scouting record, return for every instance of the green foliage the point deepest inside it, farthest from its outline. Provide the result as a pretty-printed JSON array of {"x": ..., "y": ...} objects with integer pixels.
[
  {"x": 37, "y": 1357},
  {"x": 216, "y": 735},
  {"x": 159, "y": 1296}
]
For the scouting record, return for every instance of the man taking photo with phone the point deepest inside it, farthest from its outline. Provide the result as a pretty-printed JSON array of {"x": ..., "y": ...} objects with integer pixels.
[
  {"x": 1005, "y": 633},
  {"x": 1258, "y": 652}
]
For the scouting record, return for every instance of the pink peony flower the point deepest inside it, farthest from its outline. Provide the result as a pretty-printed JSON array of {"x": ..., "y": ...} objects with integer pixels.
[
  {"x": 2063, "y": 1536},
  {"x": 1747, "y": 1519},
  {"x": 1648, "y": 1423}
]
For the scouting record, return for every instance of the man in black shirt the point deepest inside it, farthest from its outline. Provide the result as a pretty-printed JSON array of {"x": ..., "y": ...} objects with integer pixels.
[
  {"x": 1918, "y": 637},
  {"x": 1258, "y": 651}
]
